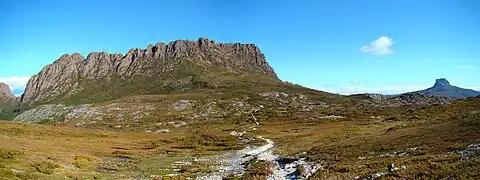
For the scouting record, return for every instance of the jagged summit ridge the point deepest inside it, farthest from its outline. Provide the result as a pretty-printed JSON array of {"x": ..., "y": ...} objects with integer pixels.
[
  {"x": 64, "y": 76},
  {"x": 249, "y": 54},
  {"x": 178, "y": 48}
]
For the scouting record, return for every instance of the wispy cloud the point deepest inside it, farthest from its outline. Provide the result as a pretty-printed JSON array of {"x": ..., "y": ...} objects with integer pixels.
[
  {"x": 380, "y": 90},
  {"x": 465, "y": 67},
  {"x": 382, "y": 46},
  {"x": 16, "y": 83},
  {"x": 354, "y": 81},
  {"x": 388, "y": 90},
  {"x": 476, "y": 88}
]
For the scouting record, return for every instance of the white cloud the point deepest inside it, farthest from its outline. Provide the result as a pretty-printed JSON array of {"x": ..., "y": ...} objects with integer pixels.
[
  {"x": 382, "y": 46},
  {"x": 354, "y": 81},
  {"x": 476, "y": 88},
  {"x": 15, "y": 82}
]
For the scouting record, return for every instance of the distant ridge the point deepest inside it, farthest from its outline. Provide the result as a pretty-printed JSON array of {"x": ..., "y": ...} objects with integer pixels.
[{"x": 443, "y": 88}]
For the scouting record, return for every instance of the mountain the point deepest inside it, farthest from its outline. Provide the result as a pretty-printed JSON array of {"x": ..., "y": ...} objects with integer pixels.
[
  {"x": 5, "y": 93},
  {"x": 7, "y": 100},
  {"x": 178, "y": 109},
  {"x": 160, "y": 68},
  {"x": 6, "y": 96},
  {"x": 443, "y": 88}
]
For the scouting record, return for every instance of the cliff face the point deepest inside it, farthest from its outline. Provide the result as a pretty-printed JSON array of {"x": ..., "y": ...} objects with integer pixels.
[
  {"x": 6, "y": 96},
  {"x": 67, "y": 75}
]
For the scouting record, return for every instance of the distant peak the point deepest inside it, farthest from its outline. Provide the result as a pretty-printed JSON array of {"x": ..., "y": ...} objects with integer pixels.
[
  {"x": 5, "y": 91},
  {"x": 441, "y": 82}
]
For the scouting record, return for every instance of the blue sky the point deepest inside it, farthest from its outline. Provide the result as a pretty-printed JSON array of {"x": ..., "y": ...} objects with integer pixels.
[{"x": 344, "y": 46}]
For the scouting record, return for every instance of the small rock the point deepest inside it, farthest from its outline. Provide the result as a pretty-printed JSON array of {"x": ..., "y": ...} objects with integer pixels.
[
  {"x": 332, "y": 117},
  {"x": 182, "y": 104},
  {"x": 162, "y": 131},
  {"x": 412, "y": 148},
  {"x": 17, "y": 171},
  {"x": 237, "y": 134}
]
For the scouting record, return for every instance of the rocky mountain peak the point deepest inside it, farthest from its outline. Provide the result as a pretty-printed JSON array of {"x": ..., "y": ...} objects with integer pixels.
[
  {"x": 5, "y": 91},
  {"x": 70, "y": 58},
  {"x": 186, "y": 58},
  {"x": 442, "y": 82},
  {"x": 443, "y": 88}
]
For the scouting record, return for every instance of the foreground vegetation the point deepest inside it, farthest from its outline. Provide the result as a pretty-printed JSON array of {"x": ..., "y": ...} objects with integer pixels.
[
  {"x": 54, "y": 152},
  {"x": 429, "y": 143},
  {"x": 349, "y": 142}
]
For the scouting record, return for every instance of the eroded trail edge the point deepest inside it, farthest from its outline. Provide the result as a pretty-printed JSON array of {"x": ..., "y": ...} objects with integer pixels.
[{"x": 235, "y": 163}]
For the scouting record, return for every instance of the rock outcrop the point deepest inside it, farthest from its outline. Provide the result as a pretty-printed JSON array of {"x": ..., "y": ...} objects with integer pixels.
[
  {"x": 411, "y": 99},
  {"x": 67, "y": 75},
  {"x": 419, "y": 99},
  {"x": 48, "y": 113},
  {"x": 174, "y": 107}
]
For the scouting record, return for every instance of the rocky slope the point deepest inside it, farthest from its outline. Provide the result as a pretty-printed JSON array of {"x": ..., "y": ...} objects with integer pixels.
[
  {"x": 234, "y": 106},
  {"x": 179, "y": 108},
  {"x": 443, "y": 88},
  {"x": 178, "y": 65},
  {"x": 410, "y": 99}
]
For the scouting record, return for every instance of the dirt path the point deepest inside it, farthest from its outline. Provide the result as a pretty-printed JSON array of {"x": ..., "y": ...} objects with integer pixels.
[{"x": 234, "y": 163}]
